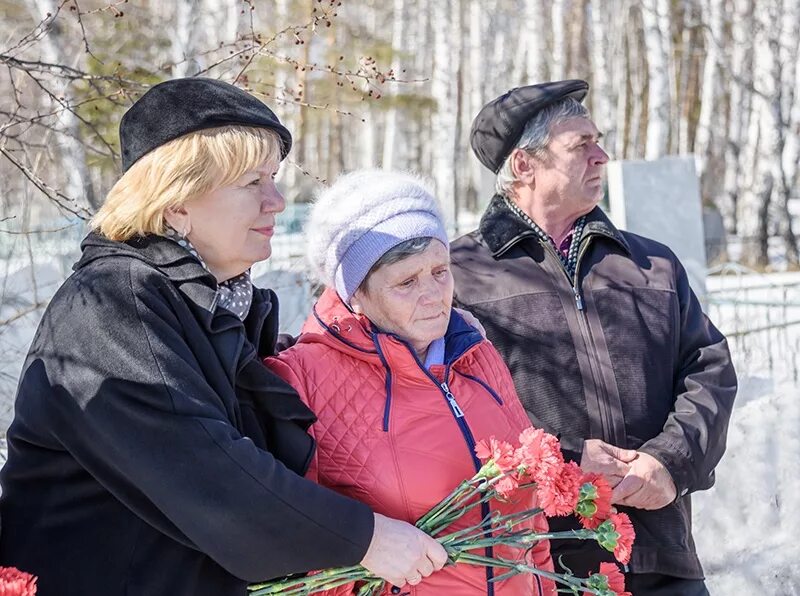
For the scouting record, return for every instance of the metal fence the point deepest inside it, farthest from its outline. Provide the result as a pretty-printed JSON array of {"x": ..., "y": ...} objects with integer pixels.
[{"x": 760, "y": 316}]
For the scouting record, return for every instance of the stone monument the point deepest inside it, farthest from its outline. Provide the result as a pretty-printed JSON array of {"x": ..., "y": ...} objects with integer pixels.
[{"x": 660, "y": 199}]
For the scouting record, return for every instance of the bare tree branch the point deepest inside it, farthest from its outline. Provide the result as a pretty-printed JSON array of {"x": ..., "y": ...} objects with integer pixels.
[{"x": 58, "y": 198}]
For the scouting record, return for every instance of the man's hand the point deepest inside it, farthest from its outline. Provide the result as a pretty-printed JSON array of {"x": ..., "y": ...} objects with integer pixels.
[
  {"x": 601, "y": 458},
  {"x": 400, "y": 553},
  {"x": 648, "y": 485}
]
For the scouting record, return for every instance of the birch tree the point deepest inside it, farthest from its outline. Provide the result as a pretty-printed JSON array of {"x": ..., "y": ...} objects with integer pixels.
[
  {"x": 532, "y": 34},
  {"x": 709, "y": 101},
  {"x": 603, "y": 95},
  {"x": 66, "y": 132},
  {"x": 443, "y": 93},
  {"x": 785, "y": 67},
  {"x": 762, "y": 142},
  {"x": 657, "y": 45},
  {"x": 219, "y": 21},
  {"x": 740, "y": 65},
  {"x": 619, "y": 74},
  {"x": 391, "y": 137},
  {"x": 185, "y": 37},
  {"x": 559, "y": 48}
]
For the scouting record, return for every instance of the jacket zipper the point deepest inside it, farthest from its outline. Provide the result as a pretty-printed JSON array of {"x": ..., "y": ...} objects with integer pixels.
[
  {"x": 583, "y": 324},
  {"x": 458, "y": 415},
  {"x": 606, "y": 422},
  {"x": 457, "y": 411},
  {"x": 469, "y": 438},
  {"x": 388, "y": 384}
]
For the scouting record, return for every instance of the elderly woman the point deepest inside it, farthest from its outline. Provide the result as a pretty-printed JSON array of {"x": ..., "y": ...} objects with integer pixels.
[
  {"x": 402, "y": 386},
  {"x": 151, "y": 453}
]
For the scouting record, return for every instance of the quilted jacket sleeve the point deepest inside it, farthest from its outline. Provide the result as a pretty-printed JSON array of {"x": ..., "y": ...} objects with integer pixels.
[
  {"x": 693, "y": 439},
  {"x": 286, "y": 365}
]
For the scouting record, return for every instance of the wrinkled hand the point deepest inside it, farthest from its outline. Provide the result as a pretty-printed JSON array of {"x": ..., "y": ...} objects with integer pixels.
[
  {"x": 648, "y": 485},
  {"x": 610, "y": 461},
  {"x": 400, "y": 553},
  {"x": 470, "y": 320}
]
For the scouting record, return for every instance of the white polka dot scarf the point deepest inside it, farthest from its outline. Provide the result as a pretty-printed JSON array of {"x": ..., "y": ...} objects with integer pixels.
[{"x": 235, "y": 294}]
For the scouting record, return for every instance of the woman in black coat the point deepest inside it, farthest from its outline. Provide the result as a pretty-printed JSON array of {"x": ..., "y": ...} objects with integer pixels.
[{"x": 151, "y": 453}]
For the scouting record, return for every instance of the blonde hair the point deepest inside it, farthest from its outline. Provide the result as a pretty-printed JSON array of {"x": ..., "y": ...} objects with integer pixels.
[{"x": 178, "y": 171}]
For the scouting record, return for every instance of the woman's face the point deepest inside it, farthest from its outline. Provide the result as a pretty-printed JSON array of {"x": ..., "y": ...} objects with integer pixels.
[
  {"x": 231, "y": 227},
  {"x": 411, "y": 298}
]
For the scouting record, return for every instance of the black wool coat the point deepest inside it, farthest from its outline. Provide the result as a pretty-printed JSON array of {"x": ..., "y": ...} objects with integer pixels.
[
  {"x": 151, "y": 453},
  {"x": 621, "y": 352}
]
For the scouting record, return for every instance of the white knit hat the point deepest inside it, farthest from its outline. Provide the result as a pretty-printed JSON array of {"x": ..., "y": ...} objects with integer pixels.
[{"x": 361, "y": 217}]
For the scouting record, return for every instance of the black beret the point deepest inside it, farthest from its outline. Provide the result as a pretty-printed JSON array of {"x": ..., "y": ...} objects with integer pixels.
[
  {"x": 174, "y": 108},
  {"x": 498, "y": 126}
]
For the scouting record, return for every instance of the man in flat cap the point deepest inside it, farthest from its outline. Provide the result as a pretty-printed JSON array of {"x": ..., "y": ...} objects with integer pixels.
[{"x": 608, "y": 345}]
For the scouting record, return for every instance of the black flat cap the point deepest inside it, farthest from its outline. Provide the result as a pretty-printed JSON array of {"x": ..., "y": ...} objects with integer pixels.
[
  {"x": 174, "y": 108},
  {"x": 499, "y": 125}
]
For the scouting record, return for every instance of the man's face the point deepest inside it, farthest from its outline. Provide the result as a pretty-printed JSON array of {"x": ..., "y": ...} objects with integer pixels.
[{"x": 570, "y": 173}]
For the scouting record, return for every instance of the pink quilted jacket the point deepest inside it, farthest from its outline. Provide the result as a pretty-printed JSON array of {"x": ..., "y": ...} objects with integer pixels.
[{"x": 387, "y": 434}]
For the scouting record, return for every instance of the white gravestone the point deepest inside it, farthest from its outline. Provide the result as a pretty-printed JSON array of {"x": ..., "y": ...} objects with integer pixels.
[{"x": 660, "y": 199}]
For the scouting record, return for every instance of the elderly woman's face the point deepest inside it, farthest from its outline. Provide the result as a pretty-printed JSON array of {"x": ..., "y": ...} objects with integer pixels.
[
  {"x": 232, "y": 226},
  {"x": 411, "y": 298}
]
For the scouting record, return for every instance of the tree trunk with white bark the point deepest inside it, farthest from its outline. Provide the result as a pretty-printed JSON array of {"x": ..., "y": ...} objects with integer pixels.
[
  {"x": 443, "y": 93},
  {"x": 66, "y": 134},
  {"x": 657, "y": 46}
]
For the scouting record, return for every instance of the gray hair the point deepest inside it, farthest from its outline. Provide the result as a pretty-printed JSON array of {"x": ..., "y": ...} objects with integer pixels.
[
  {"x": 405, "y": 249},
  {"x": 536, "y": 137}
]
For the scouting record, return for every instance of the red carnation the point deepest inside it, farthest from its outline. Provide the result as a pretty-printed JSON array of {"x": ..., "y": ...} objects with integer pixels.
[
  {"x": 560, "y": 496},
  {"x": 507, "y": 486},
  {"x": 616, "y": 580},
  {"x": 501, "y": 452},
  {"x": 594, "y": 500},
  {"x": 14, "y": 582},
  {"x": 609, "y": 580},
  {"x": 540, "y": 455},
  {"x": 624, "y": 527}
]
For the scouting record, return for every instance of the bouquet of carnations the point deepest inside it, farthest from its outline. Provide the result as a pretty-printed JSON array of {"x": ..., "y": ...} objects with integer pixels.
[{"x": 561, "y": 489}]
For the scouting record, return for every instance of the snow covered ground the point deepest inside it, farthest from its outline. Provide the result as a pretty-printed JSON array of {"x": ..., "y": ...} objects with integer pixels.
[{"x": 748, "y": 525}]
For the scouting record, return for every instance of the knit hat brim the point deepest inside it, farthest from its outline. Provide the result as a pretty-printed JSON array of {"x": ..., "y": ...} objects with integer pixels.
[{"x": 365, "y": 249}]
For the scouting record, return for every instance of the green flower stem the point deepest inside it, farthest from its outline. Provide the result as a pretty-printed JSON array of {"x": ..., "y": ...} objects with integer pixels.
[
  {"x": 500, "y": 522},
  {"x": 575, "y": 583},
  {"x": 472, "y": 531},
  {"x": 460, "y": 495},
  {"x": 492, "y": 530},
  {"x": 446, "y": 522},
  {"x": 569, "y": 535},
  {"x": 448, "y": 500},
  {"x": 488, "y": 542},
  {"x": 313, "y": 583},
  {"x": 459, "y": 511},
  {"x": 521, "y": 539}
]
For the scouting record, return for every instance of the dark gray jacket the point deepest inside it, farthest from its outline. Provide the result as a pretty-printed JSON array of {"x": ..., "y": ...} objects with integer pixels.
[
  {"x": 621, "y": 353},
  {"x": 151, "y": 453}
]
